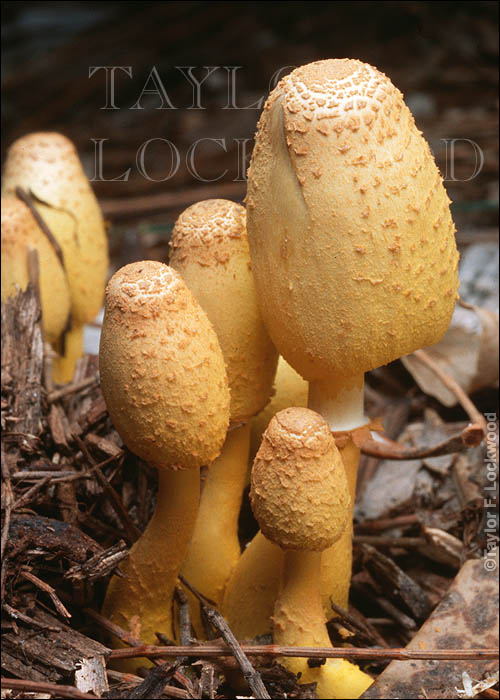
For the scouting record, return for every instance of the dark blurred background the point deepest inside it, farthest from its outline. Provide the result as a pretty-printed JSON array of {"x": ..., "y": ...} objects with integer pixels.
[{"x": 442, "y": 55}]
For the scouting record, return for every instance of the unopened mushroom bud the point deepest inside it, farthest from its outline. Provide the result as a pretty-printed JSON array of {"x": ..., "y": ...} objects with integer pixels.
[
  {"x": 165, "y": 385},
  {"x": 300, "y": 497},
  {"x": 20, "y": 234},
  {"x": 209, "y": 248},
  {"x": 289, "y": 390},
  {"x": 47, "y": 167},
  {"x": 352, "y": 246}
]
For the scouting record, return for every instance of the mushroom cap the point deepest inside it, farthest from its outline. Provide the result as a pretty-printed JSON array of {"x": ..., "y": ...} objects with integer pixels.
[
  {"x": 349, "y": 225},
  {"x": 209, "y": 247},
  {"x": 47, "y": 166},
  {"x": 162, "y": 370},
  {"x": 299, "y": 492},
  {"x": 20, "y": 232},
  {"x": 290, "y": 389}
]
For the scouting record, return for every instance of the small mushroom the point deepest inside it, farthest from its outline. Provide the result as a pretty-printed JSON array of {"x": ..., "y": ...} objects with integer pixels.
[
  {"x": 165, "y": 385},
  {"x": 209, "y": 248},
  {"x": 353, "y": 254},
  {"x": 20, "y": 233},
  {"x": 300, "y": 497},
  {"x": 289, "y": 390},
  {"x": 47, "y": 167}
]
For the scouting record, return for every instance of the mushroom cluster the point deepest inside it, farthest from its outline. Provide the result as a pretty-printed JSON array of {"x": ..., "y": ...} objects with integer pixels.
[
  {"x": 355, "y": 263},
  {"x": 350, "y": 262},
  {"x": 47, "y": 168}
]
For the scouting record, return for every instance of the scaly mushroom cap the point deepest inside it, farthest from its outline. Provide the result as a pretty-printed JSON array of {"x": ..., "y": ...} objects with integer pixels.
[
  {"x": 162, "y": 369},
  {"x": 349, "y": 225},
  {"x": 209, "y": 247},
  {"x": 299, "y": 492},
  {"x": 47, "y": 166},
  {"x": 290, "y": 389},
  {"x": 20, "y": 232}
]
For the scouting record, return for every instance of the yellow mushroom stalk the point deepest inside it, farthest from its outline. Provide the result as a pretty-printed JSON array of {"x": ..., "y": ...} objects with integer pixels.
[
  {"x": 209, "y": 248},
  {"x": 20, "y": 234},
  {"x": 47, "y": 167},
  {"x": 165, "y": 385},
  {"x": 353, "y": 249},
  {"x": 300, "y": 497}
]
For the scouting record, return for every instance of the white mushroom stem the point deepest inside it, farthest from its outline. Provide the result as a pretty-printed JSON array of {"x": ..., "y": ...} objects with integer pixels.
[{"x": 340, "y": 402}]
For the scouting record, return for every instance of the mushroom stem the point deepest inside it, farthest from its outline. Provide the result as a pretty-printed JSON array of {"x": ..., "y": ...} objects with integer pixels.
[
  {"x": 299, "y": 621},
  {"x": 340, "y": 402},
  {"x": 141, "y": 601},
  {"x": 336, "y": 562},
  {"x": 214, "y": 549},
  {"x": 63, "y": 367},
  {"x": 300, "y": 597}
]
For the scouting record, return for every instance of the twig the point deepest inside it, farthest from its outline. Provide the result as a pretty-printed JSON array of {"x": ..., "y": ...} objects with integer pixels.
[
  {"x": 72, "y": 389},
  {"x": 252, "y": 677},
  {"x": 477, "y": 419},
  {"x": 59, "y": 691},
  {"x": 87, "y": 474},
  {"x": 153, "y": 685},
  {"x": 26, "y": 198},
  {"x": 34, "y": 278},
  {"x": 489, "y": 693},
  {"x": 133, "y": 532},
  {"x": 387, "y": 541},
  {"x": 28, "y": 495},
  {"x": 47, "y": 589},
  {"x": 184, "y": 616},
  {"x": 170, "y": 690},
  {"x": 42, "y": 474},
  {"x": 273, "y": 650},
  {"x": 100, "y": 564},
  {"x": 117, "y": 631},
  {"x": 7, "y": 504},
  {"x": 387, "y": 523},
  {"x": 471, "y": 436},
  {"x": 126, "y": 206},
  {"x": 18, "y": 615},
  {"x": 357, "y": 625},
  {"x": 403, "y": 620}
]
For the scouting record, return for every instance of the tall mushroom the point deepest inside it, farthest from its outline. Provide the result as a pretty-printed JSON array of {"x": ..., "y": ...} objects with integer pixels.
[
  {"x": 47, "y": 167},
  {"x": 209, "y": 248},
  {"x": 300, "y": 497},
  {"x": 165, "y": 385},
  {"x": 20, "y": 233},
  {"x": 352, "y": 246}
]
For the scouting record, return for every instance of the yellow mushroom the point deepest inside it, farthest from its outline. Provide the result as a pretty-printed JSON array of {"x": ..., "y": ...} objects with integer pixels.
[
  {"x": 165, "y": 385},
  {"x": 300, "y": 497},
  {"x": 209, "y": 248},
  {"x": 353, "y": 255},
  {"x": 289, "y": 390},
  {"x": 20, "y": 233},
  {"x": 46, "y": 166}
]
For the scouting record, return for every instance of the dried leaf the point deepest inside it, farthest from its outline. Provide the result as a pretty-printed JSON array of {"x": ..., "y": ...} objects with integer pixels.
[
  {"x": 467, "y": 617},
  {"x": 468, "y": 353}
]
